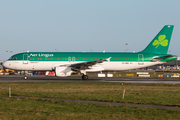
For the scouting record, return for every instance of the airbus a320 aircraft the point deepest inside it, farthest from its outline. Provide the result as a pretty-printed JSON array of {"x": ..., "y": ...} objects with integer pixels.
[{"x": 67, "y": 63}]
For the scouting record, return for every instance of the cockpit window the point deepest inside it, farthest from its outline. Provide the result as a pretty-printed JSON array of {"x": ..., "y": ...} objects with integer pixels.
[{"x": 13, "y": 58}]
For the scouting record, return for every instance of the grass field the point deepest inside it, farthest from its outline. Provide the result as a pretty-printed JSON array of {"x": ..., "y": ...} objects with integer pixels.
[
  {"x": 157, "y": 94},
  {"x": 29, "y": 109}
]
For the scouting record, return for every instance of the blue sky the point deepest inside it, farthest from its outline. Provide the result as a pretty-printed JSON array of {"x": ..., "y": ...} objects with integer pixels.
[{"x": 81, "y": 25}]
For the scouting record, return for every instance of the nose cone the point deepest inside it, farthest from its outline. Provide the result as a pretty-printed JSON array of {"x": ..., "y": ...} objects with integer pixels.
[{"x": 5, "y": 64}]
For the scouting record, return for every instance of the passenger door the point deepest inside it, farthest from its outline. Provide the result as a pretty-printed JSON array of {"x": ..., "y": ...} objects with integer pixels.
[{"x": 25, "y": 58}]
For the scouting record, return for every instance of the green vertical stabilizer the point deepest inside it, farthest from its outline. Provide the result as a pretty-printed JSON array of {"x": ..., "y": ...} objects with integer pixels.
[{"x": 160, "y": 43}]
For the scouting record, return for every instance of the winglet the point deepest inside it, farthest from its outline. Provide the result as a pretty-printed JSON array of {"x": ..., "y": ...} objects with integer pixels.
[{"x": 108, "y": 59}]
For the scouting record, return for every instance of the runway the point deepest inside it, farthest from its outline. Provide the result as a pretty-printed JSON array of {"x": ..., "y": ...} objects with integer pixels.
[{"x": 78, "y": 79}]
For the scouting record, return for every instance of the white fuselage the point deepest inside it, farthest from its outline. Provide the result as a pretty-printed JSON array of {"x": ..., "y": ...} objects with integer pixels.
[{"x": 48, "y": 66}]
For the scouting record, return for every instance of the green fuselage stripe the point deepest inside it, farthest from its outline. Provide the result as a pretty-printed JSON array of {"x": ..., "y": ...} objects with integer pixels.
[{"x": 87, "y": 56}]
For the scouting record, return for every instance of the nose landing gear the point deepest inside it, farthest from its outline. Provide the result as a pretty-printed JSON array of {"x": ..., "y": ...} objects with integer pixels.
[{"x": 25, "y": 77}]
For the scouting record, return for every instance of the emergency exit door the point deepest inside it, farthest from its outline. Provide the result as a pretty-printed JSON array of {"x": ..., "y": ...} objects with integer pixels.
[{"x": 140, "y": 59}]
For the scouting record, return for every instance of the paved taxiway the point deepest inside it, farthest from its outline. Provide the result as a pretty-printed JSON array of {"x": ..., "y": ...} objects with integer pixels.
[{"x": 78, "y": 79}]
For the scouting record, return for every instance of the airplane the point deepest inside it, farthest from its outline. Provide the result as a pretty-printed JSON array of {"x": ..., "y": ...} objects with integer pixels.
[{"x": 67, "y": 63}]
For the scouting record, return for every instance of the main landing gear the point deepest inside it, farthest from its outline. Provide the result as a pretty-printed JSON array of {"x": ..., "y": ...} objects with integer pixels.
[{"x": 85, "y": 77}]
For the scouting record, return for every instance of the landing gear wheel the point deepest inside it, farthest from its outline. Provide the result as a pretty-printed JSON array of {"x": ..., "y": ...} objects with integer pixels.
[
  {"x": 85, "y": 77},
  {"x": 25, "y": 77}
]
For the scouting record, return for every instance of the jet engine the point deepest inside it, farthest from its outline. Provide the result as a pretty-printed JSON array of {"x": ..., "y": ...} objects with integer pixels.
[{"x": 63, "y": 71}]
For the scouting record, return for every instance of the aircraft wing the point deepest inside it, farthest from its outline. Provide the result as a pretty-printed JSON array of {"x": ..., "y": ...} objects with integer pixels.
[{"x": 86, "y": 65}]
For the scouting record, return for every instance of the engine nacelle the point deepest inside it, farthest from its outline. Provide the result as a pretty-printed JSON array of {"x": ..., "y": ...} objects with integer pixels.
[{"x": 63, "y": 71}]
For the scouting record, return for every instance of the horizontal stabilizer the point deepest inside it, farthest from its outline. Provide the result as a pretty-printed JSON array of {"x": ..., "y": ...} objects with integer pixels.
[{"x": 155, "y": 59}]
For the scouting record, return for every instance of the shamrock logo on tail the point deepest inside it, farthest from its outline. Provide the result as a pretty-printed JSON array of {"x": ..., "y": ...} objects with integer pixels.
[{"x": 161, "y": 41}]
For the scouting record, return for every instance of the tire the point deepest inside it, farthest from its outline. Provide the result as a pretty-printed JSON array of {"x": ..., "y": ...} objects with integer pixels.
[
  {"x": 85, "y": 77},
  {"x": 25, "y": 77}
]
